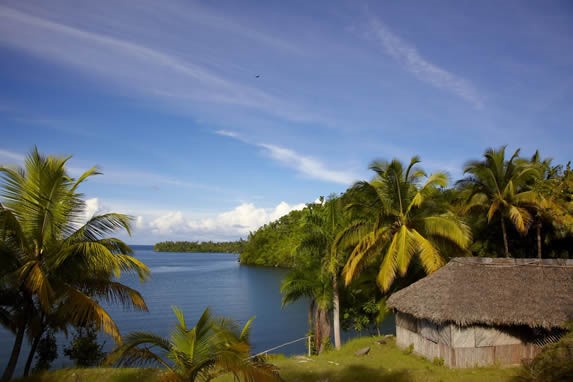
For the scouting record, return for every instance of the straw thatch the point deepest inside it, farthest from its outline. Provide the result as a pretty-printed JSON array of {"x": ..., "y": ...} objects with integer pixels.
[{"x": 486, "y": 291}]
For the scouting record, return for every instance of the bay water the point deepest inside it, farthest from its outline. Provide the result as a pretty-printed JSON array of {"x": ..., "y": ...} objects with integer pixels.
[{"x": 194, "y": 281}]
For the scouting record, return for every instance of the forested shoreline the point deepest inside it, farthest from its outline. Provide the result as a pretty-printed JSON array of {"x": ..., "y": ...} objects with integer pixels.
[
  {"x": 276, "y": 243},
  {"x": 200, "y": 246}
]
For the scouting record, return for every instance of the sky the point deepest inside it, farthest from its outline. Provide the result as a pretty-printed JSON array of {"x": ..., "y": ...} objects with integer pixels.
[{"x": 211, "y": 118}]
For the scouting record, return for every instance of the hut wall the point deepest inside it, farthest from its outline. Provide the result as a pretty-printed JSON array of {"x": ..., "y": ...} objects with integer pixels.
[{"x": 461, "y": 347}]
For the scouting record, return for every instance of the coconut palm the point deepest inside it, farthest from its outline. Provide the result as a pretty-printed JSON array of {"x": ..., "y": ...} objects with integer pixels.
[
  {"x": 323, "y": 223},
  {"x": 499, "y": 186},
  {"x": 214, "y": 346},
  {"x": 397, "y": 219},
  {"x": 61, "y": 265},
  {"x": 311, "y": 283}
]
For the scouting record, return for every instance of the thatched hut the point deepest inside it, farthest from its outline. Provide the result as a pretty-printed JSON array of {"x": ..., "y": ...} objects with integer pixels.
[{"x": 483, "y": 311}]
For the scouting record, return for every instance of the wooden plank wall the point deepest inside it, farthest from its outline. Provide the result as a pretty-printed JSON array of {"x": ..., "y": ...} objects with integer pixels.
[{"x": 461, "y": 347}]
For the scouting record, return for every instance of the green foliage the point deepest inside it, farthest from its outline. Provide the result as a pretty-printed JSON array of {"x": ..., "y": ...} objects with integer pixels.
[
  {"x": 204, "y": 246},
  {"x": 275, "y": 243},
  {"x": 47, "y": 351},
  {"x": 438, "y": 361},
  {"x": 55, "y": 266},
  {"x": 553, "y": 364},
  {"x": 213, "y": 347},
  {"x": 84, "y": 349},
  {"x": 398, "y": 222}
]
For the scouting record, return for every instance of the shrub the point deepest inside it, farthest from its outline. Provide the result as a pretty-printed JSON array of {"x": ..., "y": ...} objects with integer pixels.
[
  {"x": 553, "y": 364},
  {"x": 84, "y": 349}
]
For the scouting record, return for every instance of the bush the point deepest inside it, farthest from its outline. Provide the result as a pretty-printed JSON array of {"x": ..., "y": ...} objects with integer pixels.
[
  {"x": 84, "y": 349},
  {"x": 553, "y": 364},
  {"x": 438, "y": 361},
  {"x": 409, "y": 350},
  {"x": 46, "y": 352}
]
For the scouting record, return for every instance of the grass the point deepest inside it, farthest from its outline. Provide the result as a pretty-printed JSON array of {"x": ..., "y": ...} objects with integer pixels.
[
  {"x": 99, "y": 374},
  {"x": 384, "y": 363}
]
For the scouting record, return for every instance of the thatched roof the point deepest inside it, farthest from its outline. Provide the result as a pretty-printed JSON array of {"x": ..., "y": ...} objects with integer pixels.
[{"x": 467, "y": 291}]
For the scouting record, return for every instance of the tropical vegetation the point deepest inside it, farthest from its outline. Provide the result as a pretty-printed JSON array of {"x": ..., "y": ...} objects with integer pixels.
[
  {"x": 383, "y": 234},
  {"x": 211, "y": 348},
  {"x": 56, "y": 263},
  {"x": 200, "y": 246},
  {"x": 346, "y": 253}
]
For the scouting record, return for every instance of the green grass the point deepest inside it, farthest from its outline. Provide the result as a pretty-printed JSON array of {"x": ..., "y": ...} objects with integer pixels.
[
  {"x": 95, "y": 374},
  {"x": 384, "y": 363}
]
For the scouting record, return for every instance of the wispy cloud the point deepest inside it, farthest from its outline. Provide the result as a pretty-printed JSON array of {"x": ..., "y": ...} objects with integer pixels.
[
  {"x": 11, "y": 156},
  {"x": 149, "y": 70},
  {"x": 408, "y": 56},
  {"x": 305, "y": 165}
]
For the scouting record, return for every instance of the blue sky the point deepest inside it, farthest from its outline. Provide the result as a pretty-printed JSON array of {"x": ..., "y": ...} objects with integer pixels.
[{"x": 164, "y": 97}]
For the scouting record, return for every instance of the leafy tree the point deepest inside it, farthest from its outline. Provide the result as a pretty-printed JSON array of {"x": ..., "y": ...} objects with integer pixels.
[
  {"x": 60, "y": 264},
  {"x": 84, "y": 349},
  {"x": 499, "y": 186},
  {"x": 47, "y": 351},
  {"x": 204, "y": 246},
  {"x": 396, "y": 216},
  {"x": 214, "y": 346}
]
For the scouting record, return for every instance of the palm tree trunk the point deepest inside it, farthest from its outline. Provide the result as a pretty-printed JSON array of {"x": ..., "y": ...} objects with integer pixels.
[
  {"x": 336, "y": 313},
  {"x": 324, "y": 329},
  {"x": 317, "y": 331},
  {"x": 504, "y": 232},
  {"x": 538, "y": 232},
  {"x": 35, "y": 343},
  {"x": 11, "y": 366}
]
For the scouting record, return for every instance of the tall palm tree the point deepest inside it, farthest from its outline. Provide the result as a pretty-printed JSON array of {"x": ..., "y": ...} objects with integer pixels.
[
  {"x": 498, "y": 186},
  {"x": 213, "y": 347},
  {"x": 310, "y": 282},
  {"x": 397, "y": 218},
  {"x": 62, "y": 264},
  {"x": 323, "y": 223}
]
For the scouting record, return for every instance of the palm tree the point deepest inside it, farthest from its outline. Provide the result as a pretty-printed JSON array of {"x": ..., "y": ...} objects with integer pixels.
[
  {"x": 310, "y": 282},
  {"x": 396, "y": 217},
  {"x": 61, "y": 264},
  {"x": 214, "y": 346},
  {"x": 498, "y": 186},
  {"x": 323, "y": 223}
]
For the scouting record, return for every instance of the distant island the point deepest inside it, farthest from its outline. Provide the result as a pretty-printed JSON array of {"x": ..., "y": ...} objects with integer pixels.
[{"x": 203, "y": 246}]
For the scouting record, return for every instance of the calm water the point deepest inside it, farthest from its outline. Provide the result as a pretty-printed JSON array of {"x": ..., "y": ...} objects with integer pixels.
[{"x": 194, "y": 281}]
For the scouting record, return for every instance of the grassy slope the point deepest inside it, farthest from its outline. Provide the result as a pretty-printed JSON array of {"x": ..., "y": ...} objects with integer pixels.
[{"x": 384, "y": 363}]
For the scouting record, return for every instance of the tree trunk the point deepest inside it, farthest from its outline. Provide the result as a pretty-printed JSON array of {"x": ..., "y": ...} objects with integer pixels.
[
  {"x": 324, "y": 329},
  {"x": 538, "y": 231},
  {"x": 11, "y": 366},
  {"x": 32, "y": 353},
  {"x": 336, "y": 313},
  {"x": 317, "y": 331},
  {"x": 504, "y": 232}
]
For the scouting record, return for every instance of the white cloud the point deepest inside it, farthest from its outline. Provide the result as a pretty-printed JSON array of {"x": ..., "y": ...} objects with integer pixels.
[
  {"x": 228, "y": 225},
  {"x": 407, "y": 55},
  {"x": 91, "y": 207},
  {"x": 308, "y": 166}
]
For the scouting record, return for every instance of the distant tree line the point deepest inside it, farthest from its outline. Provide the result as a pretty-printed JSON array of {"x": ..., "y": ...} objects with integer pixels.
[{"x": 200, "y": 246}]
